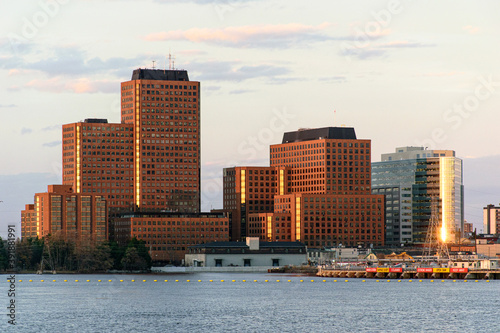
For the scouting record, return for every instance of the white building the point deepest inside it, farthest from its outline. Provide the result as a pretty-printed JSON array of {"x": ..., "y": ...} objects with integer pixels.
[{"x": 247, "y": 254}]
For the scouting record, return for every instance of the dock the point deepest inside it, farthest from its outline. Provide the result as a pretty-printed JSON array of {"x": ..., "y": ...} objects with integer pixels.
[{"x": 410, "y": 273}]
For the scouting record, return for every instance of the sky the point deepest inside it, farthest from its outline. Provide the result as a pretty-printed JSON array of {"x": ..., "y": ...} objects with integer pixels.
[{"x": 402, "y": 73}]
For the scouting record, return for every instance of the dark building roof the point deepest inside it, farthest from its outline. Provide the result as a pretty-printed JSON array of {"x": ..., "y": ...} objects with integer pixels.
[
  {"x": 160, "y": 74},
  {"x": 244, "y": 245},
  {"x": 344, "y": 133},
  {"x": 96, "y": 121}
]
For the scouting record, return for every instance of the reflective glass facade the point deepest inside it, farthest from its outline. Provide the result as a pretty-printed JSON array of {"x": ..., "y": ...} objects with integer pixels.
[{"x": 411, "y": 185}]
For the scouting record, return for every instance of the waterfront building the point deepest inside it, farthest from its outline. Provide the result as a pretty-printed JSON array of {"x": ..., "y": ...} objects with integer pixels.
[
  {"x": 168, "y": 235},
  {"x": 491, "y": 219},
  {"x": 61, "y": 211},
  {"x": 251, "y": 253},
  {"x": 412, "y": 180},
  {"x": 321, "y": 192}
]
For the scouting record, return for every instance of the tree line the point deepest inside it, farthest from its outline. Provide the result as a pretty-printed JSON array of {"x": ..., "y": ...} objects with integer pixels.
[{"x": 57, "y": 253}]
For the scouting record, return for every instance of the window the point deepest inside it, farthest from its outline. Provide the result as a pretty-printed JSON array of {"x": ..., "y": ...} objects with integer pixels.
[
  {"x": 218, "y": 262},
  {"x": 246, "y": 262},
  {"x": 276, "y": 262}
]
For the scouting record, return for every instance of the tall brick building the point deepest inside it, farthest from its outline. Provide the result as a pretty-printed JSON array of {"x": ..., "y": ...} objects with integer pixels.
[
  {"x": 321, "y": 192},
  {"x": 151, "y": 160}
]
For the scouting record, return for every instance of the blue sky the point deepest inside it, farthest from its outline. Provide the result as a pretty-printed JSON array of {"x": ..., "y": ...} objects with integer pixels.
[{"x": 400, "y": 72}]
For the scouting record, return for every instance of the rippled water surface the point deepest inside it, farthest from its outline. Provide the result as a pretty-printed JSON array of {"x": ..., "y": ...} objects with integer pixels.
[{"x": 352, "y": 306}]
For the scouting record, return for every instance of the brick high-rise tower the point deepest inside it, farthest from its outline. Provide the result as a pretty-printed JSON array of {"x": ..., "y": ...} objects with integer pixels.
[
  {"x": 164, "y": 108},
  {"x": 151, "y": 160}
]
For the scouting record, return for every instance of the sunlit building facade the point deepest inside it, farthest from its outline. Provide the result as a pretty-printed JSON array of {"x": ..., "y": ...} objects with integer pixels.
[
  {"x": 168, "y": 235},
  {"x": 321, "y": 194},
  {"x": 151, "y": 160},
  {"x": 98, "y": 159},
  {"x": 61, "y": 211},
  {"x": 249, "y": 190},
  {"x": 414, "y": 179},
  {"x": 163, "y": 108}
]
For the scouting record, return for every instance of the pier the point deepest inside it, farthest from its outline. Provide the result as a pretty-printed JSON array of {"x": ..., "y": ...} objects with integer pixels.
[{"x": 410, "y": 273}]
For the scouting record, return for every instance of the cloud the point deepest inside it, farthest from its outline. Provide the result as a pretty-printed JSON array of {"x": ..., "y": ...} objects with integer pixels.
[
  {"x": 270, "y": 36},
  {"x": 403, "y": 44},
  {"x": 72, "y": 61},
  {"x": 69, "y": 61},
  {"x": 80, "y": 86},
  {"x": 471, "y": 29},
  {"x": 8, "y": 106},
  {"x": 337, "y": 79},
  {"x": 52, "y": 144},
  {"x": 52, "y": 128},
  {"x": 364, "y": 51},
  {"x": 25, "y": 130},
  {"x": 442, "y": 74},
  {"x": 233, "y": 71},
  {"x": 211, "y": 88},
  {"x": 240, "y": 91}
]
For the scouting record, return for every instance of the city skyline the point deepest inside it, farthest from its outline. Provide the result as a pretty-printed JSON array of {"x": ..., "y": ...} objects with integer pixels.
[{"x": 265, "y": 68}]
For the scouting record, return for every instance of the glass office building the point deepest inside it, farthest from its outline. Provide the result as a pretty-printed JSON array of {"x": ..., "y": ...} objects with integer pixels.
[{"x": 412, "y": 180}]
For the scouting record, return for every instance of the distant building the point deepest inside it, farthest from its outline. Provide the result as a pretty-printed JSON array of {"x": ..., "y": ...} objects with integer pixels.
[
  {"x": 247, "y": 254},
  {"x": 60, "y": 210},
  {"x": 412, "y": 179},
  {"x": 491, "y": 219},
  {"x": 28, "y": 222},
  {"x": 468, "y": 228},
  {"x": 488, "y": 246}
]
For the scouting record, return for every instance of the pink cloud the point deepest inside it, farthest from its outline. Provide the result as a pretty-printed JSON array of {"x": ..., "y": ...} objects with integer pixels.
[
  {"x": 16, "y": 71},
  {"x": 240, "y": 35},
  {"x": 80, "y": 86}
]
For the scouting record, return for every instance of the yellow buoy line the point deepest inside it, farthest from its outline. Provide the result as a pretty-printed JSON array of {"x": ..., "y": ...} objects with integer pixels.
[{"x": 234, "y": 280}]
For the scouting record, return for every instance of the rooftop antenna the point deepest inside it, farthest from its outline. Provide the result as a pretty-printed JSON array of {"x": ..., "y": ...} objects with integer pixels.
[
  {"x": 173, "y": 64},
  {"x": 169, "y": 61},
  {"x": 154, "y": 64}
]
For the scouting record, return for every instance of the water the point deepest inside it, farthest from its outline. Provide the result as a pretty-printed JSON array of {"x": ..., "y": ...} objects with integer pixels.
[{"x": 295, "y": 306}]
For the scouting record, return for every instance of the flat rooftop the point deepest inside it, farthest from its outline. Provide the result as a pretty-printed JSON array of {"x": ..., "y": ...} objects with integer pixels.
[
  {"x": 160, "y": 74},
  {"x": 342, "y": 133}
]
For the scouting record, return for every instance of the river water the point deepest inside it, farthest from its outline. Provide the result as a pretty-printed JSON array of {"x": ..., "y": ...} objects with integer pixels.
[{"x": 295, "y": 306}]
